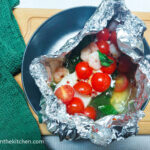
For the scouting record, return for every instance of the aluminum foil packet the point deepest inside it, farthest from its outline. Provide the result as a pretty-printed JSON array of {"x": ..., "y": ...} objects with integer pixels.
[{"x": 130, "y": 31}]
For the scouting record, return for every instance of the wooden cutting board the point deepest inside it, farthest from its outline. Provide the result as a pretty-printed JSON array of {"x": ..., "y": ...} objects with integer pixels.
[{"x": 30, "y": 19}]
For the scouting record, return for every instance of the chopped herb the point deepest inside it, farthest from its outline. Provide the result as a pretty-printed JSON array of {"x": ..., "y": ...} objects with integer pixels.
[{"x": 105, "y": 61}]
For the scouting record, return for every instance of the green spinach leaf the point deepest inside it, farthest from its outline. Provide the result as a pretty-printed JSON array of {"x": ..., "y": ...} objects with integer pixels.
[
  {"x": 100, "y": 100},
  {"x": 107, "y": 110}
]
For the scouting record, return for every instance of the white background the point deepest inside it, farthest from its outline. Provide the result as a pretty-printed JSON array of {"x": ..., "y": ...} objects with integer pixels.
[{"x": 134, "y": 5}]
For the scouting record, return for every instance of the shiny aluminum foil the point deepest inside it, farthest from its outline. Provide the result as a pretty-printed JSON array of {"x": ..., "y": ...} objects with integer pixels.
[{"x": 130, "y": 29}]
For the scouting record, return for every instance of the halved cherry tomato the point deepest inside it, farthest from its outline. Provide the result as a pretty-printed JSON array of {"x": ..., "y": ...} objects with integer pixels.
[
  {"x": 103, "y": 47},
  {"x": 121, "y": 83},
  {"x": 100, "y": 82},
  {"x": 124, "y": 64},
  {"x": 111, "y": 68},
  {"x": 75, "y": 106},
  {"x": 65, "y": 93},
  {"x": 90, "y": 112},
  {"x": 113, "y": 38},
  {"x": 83, "y": 70},
  {"x": 83, "y": 88},
  {"x": 103, "y": 35}
]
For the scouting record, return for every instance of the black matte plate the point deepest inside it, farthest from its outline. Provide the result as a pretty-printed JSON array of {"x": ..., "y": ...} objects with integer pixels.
[{"x": 52, "y": 35}]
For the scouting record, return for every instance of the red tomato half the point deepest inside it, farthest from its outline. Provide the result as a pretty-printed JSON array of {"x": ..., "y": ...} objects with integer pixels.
[
  {"x": 121, "y": 83},
  {"x": 100, "y": 82},
  {"x": 83, "y": 88},
  {"x": 83, "y": 70},
  {"x": 111, "y": 68},
  {"x": 124, "y": 64},
  {"x": 103, "y": 35},
  {"x": 103, "y": 47},
  {"x": 90, "y": 112},
  {"x": 75, "y": 106},
  {"x": 65, "y": 93}
]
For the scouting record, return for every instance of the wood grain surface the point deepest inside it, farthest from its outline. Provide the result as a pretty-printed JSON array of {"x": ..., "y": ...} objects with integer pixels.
[{"x": 30, "y": 19}]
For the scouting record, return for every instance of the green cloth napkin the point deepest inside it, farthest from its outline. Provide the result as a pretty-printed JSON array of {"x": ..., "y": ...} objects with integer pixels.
[{"x": 16, "y": 120}]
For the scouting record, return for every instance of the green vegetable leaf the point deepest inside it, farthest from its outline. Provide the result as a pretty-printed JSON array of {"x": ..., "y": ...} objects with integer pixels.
[
  {"x": 107, "y": 110},
  {"x": 100, "y": 100},
  {"x": 105, "y": 61}
]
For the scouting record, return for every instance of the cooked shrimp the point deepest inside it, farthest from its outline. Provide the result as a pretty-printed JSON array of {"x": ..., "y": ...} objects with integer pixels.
[
  {"x": 94, "y": 61},
  {"x": 60, "y": 73},
  {"x": 90, "y": 55},
  {"x": 85, "y": 53},
  {"x": 93, "y": 47}
]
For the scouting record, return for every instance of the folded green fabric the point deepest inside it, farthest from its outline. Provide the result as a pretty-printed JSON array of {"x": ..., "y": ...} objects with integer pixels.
[
  {"x": 17, "y": 123},
  {"x": 11, "y": 41}
]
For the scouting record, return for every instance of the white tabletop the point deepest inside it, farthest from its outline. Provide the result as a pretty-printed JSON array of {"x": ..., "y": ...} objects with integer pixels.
[{"x": 134, "y": 5}]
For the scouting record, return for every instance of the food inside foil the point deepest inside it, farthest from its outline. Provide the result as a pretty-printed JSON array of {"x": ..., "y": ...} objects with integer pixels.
[
  {"x": 95, "y": 85},
  {"x": 97, "y": 80}
]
